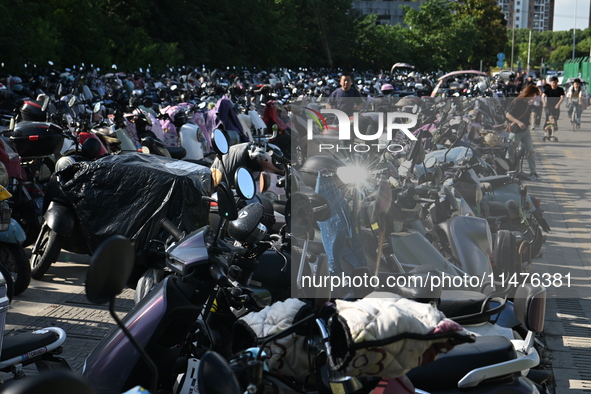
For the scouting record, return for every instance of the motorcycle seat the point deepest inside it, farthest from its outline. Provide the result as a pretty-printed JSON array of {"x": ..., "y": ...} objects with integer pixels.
[
  {"x": 458, "y": 303},
  {"x": 451, "y": 367},
  {"x": 497, "y": 180},
  {"x": 176, "y": 152},
  {"x": 24, "y": 342}
]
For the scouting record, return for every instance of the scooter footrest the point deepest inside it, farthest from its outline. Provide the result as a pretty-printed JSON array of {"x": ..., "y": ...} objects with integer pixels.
[
  {"x": 22, "y": 343},
  {"x": 450, "y": 368}
]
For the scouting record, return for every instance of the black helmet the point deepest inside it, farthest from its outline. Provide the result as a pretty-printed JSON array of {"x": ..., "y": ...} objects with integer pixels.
[
  {"x": 91, "y": 148},
  {"x": 180, "y": 118}
]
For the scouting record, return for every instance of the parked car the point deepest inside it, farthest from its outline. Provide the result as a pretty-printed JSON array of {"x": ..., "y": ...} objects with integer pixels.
[
  {"x": 503, "y": 74},
  {"x": 464, "y": 82}
]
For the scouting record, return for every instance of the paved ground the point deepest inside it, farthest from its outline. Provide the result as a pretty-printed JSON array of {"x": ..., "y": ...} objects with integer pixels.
[
  {"x": 58, "y": 299},
  {"x": 564, "y": 192}
]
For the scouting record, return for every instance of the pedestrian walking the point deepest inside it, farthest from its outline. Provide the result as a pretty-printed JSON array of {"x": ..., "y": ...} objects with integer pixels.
[{"x": 519, "y": 114}]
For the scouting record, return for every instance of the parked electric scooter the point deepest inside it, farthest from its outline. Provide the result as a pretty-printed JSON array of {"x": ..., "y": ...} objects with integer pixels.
[
  {"x": 78, "y": 221},
  {"x": 173, "y": 307},
  {"x": 12, "y": 254},
  {"x": 39, "y": 347}
]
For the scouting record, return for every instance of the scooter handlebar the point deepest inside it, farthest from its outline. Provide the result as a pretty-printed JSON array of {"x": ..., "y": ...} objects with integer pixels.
[{"x": 169, "y": 226}]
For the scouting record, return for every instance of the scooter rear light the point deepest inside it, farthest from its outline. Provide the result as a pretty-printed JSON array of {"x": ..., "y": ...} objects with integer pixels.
[
  {"x": 213, "y": 204},
  {"x": 33, "y": 138}
]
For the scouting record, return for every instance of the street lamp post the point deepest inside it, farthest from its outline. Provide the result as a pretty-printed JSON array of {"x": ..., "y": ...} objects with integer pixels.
[
  {"x": 513, "y": 40},
  {"x": 575, "y": 30}
]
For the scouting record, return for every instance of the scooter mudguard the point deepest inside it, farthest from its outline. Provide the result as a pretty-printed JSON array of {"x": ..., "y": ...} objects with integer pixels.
[
  {"x": 60, "y": 219},
  {"x": 14, "y": 235}
]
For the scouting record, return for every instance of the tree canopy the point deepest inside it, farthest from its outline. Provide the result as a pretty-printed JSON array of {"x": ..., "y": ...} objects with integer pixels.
[{"x": 264, "y": 33}]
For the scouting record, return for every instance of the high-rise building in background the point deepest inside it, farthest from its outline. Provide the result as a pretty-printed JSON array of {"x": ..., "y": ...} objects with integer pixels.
[
  {"x": 388, "y": 12},
  {"x": 537, "y": 15}
]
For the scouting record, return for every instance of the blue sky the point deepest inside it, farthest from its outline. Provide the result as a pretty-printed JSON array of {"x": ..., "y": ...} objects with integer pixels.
[{"x": 564, "y": 14}]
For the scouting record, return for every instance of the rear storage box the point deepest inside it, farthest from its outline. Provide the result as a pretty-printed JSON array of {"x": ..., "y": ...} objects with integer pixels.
[
  {"x": 34, "y": 139},
  {"x": 32, "y": 110}
]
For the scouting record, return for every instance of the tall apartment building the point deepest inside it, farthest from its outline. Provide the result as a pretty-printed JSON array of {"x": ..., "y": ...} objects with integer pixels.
[{"x": 537, "y": 15}]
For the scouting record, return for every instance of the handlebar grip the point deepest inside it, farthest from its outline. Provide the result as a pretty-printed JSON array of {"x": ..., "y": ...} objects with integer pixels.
[
  {"x": 218, "y": 275},
  {"x": 280, "y": 158},
  {"x": 445, "y": 166},
  {"x": 172, "y": 229},
  {"x": 258, "y": 301}
]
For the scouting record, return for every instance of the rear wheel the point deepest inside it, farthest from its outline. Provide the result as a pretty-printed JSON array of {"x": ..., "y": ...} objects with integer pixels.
[
  {"x": 12, "y": 257},
  {"x": 47, "y": 249}
]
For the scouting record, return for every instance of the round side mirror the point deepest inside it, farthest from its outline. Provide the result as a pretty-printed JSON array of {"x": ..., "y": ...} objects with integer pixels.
[
  {"x": 430, "y": 162},
  {"x": 219, "y": 142},
  {"x": 244, "y": 183},
  {"x": 226, "y": 204},
  {"x": 97, "y": 107},
  {"x": 109, "y": 269},
  {"x": 45, "y": 104}
]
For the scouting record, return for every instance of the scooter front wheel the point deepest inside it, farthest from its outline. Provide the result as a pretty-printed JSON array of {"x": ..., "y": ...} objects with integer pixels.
[
  {"x": 12, "y": 257},
  {"x": 46, "y": 251},
  {"x": 149, "y": 279}
]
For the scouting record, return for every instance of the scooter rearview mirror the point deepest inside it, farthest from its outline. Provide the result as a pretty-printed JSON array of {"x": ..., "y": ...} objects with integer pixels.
[
  {"x": 109, "y": 269},
  {"x": 244, "y": 182},
  {"x": 45, "y": 104},
  {"x": 220, "y": 142},
  {"x": 215, "y": 376},
  {"x": 226, "y": 204}
]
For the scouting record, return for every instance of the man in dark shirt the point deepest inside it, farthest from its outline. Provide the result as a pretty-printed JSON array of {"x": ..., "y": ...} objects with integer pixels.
[
  {"x": 248, "y": 155},
  {"x": 346, "y": 98},
  {"x": 552, "y": 97}
]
